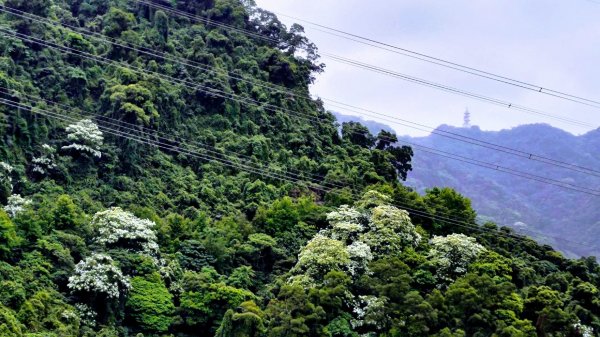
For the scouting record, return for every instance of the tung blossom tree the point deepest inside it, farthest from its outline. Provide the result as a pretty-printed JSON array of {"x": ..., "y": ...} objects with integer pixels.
[
  {"x": 46, "y": 161},
  {"x": 5, "y": 178},
  {"x": 116, "y": 227},
  {"x": 98, "y": 274},
  {"x": 390, "y": 230},
  {"x": 355, "y": 237},
  {"x": 452, "y": 254},
  {"x": 86, "y": 137},
  {"x": 16, "y": 204}
]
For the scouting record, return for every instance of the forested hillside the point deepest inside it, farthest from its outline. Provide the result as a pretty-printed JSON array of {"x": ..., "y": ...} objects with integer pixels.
[{"x": 163, "y": 172}]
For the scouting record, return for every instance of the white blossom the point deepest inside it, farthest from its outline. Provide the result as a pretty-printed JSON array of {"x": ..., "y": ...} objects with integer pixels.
[
  {"x": 452, "y": 254},
  {"x": 86, "y": 314},
  {"x": 360, "y": 256},
  {"x": 373, "y": 199},
  {"x": 16, "y": 204},
  {"x": 344, "y": 213},
  {"x": 116, "y": 226},
  {"x": 354, "y": 238},
  {"x": 85, "y": 137},
  {"x": 46, "y": 161},
  {"x": 390, "y": 230},
  {"x": 584, "y": 330},
  {"x": 369, "y": 311},
  {"x": 320, "y": 256},
  {"x": 98, "y": 274},
  {"x": 5, "y": 174}
]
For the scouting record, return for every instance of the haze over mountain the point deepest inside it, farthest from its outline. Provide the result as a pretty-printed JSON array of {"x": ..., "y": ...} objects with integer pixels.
[{"x": 525, "y": 204}]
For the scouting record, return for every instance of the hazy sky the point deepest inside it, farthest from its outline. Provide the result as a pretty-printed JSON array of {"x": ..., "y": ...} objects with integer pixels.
[{"x": 552, "y": 43}]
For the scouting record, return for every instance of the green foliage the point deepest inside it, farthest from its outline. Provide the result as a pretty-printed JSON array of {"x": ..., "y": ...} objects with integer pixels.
[
  {"x": 47, "y": 313},
  {"x": 246, "y": 321},
  {"x": 8, "y": 235},
  {"x": 126, "y": 239},
  {"x": 150, "y": 304},
  {"x": 9, "y": 325}
]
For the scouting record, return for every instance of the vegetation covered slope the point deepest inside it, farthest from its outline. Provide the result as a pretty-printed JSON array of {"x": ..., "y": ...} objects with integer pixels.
[{"x": 101, "y": 235}]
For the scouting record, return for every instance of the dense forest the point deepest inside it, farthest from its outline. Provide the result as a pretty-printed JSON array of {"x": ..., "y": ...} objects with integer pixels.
[{"x": 164, "y": 172}]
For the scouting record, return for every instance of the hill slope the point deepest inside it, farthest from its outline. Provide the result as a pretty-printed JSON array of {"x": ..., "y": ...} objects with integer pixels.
[{"x": 145, "y": 196}]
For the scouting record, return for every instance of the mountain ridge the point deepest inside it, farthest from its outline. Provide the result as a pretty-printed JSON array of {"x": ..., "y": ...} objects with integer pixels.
[{"x": 567, "y": 215}]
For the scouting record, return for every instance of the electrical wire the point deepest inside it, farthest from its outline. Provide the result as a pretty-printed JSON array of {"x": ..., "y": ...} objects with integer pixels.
[
  {"x": 169, "y": 139},
  {"x": 314, "y": 179},
  {"x": 523, "y": 154},
  {"x": 388, "y": 47},
  {"x": 489, "y": 165},
  {"x": 444, "y": 63},
  {"x": 178, "y": 149}
]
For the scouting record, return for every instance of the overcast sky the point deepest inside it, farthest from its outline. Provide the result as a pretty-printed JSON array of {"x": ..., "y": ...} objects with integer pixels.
[{"x": 552, "y": 43}]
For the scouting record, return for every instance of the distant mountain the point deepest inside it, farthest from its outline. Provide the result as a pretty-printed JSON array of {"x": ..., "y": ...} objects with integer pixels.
[{"x": 526, "y": 205}]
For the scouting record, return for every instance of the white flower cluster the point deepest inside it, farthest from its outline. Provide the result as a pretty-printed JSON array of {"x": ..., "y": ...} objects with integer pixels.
[
  {"x": 116, "y": 226},
  {"x": 45, "y": 162},
  {"x": 320, "y": 256},
  {"x": 584, "y": 330},
  {"x": 99, "y": 274},
  {"x": 360, "y": 256},
  {"x": 86, "y": 137},
  {"x": 69, "y": 315},
  {"x": 354, "y": 238},
  {"x": 390, "y": 230},
  {"x": 16, "y": 204},
  {"x": 452, "y": 254},
  {"x": 5, "y": 174},
  {"x": 344, "y": 213},
  {"x": 86, "y": 314},
  {"x": 369, "y": 310},
  {"x": 345, "y": 223}
]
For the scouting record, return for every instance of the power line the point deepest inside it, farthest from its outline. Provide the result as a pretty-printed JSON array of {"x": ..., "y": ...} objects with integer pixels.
[
  {"x": 313, "y": 179},
  {"x": 373, "y": 68},
  {"x": 503, "y": 169},
  {"x": 178, "y": 149},
  {"x": 530, "y": 156},
  {"x": 167, "y": 138},
  {"x": 489, "y": 165},
  {"x": 406, "y": 52},
  {"x": 448, "y": 64},
  {"x": 456, "y": 136},
  {"x": 460, "y": 92}
]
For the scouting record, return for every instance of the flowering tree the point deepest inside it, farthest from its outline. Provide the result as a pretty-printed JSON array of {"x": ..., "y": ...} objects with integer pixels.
[
  {"x": 99, "y": 274},
  {"x": 360, "y": 256},
  {"x": 390, "y": 230},
  {"x": 16, "y": 204},
  {"x": 355, "y": 237},
  {"x": 116, "y": 227},
  {"x": 452, "y": 254},
  {"x": 46, "y": 161},
  {"x": 320, "y": 256},
  {"x": 345, "y": 223},
  {"x": 373, "y": 199},
  {"x": 370, "y": 311},
  {"x": 85, "y": 137}
]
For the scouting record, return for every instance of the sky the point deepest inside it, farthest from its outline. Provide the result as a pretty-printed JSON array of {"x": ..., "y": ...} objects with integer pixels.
[{"x": 551, "y": 43}]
